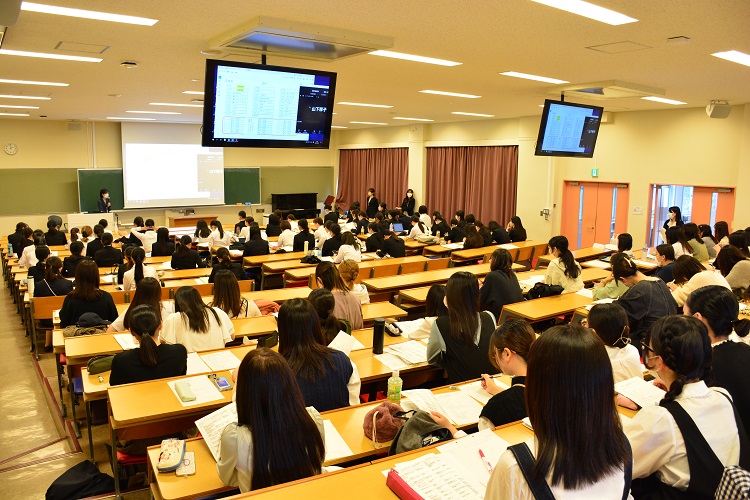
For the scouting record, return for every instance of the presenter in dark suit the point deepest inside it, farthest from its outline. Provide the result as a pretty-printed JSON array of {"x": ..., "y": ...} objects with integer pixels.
[
  {"x": 372, "y": 203},
  {"x": 407, "y": 206},
  {"x": 108, "y": 256},
  {"x": 104, "y": 203}
]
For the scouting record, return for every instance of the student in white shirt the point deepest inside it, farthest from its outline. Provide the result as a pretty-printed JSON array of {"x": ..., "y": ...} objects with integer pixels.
[
  {"x": 679, "y": 350},
  {"x": 321, "y": 235},
  {"x": 576, "y": 460},
  {"x": 610, "y": 323},
  {"x": 202, "y": 232},
  {"x": 417, "y": 228},
  {"x": 425, "y": 217},
  {"x": 148, "y": 237},
  {"x": 149, "y": 293},
  {"x": 218, "y": 237},
  {"x": 228, "y": 298},
  {"x": 195, "y": 325},
  {"x": 349, "y": 249},
  {"x": 286, "y": 238},
  {"x": 132, "y": 277},
  {"x": 245, "y": 231},
  {"x": 563, "y": 270},
  {"x": 293, "y": 224},
  {"x": 689, "y": 275},
  {"x": 28, "y": 256},
  {"x": 676, "y": 237}
]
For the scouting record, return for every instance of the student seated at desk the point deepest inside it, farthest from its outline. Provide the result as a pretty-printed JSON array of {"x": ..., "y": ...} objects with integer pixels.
[
  {"x": 692, "y": 234},
  {"x": 255, "y": 245},
  {"x": 330, "y": 326},
  {"x": 87, "y": 297},
  {"x": 28, "y": 256},
  {"x": 689, "y": 275},
  {"x": 712, "y": 245},
  {"x": 52, "y": 283},
  {"x": 515, "y": 229},
  {"x": 664, "y": 441},
  {"x": 675, "y": 236},
  {"x": 393, "y": 245},
  {"x": 304, "y": 235},
  {"x": 319, "y": 231},
  {"x": 500, "y": 286},
  {"x": 241, "y": 223},
  {"x": 327, "y": 378},
  {"x": 349, "y": 249},
  {"x": 131, "y": 278},
  {"x": 286, "y": 238},
  {"x": 735, "y": 267},
  {"x": 273, "y": 228},
  {"x": 456, "y": 234},
  {"x": 245, "y": 230},
  {"x": 163, "y": 247},
  {"x": 54, "y": 236},
  {"x": 499, "y": 233},
  {"x": 17, "y": 237},
  {"x": 95, "y": 244},
  {"x": 417, "y": 227},
  {"x": 349, "y": 272},
  {"x": 348, "y": 306},
  {"x": 425, "y": 218},
  {"x": 439, "y": 226},
  {"x": 227, "y": 297},
  {"x": 276, "y": 439},
  {"x": 150, "y": 360},
  {"x": 127, "y": 265},
  {"x": 665, "y": 259},
  {"x": 434, "y": 308},
  {"x": 185, "y": 257},
  {"x": 590, "y": 461},
  {"x": 202, "y": 232},
  {"x": 563, "y": 270},
  {"x": 376, "y": 241},
  {"x": 218, "y": 237},
  {"x": 27, "y": 240},
  {"x": 226, "y": 264},
  {"x": 609, "y": 287},
  {"x": 146, "y": 235},
  {"x": 610, "y": 323},
  {"x": 148, "y": 293},
  {"x": 459, "y": 343},
  {"x": 485, "y": 233},
  {"x": 195, "y": 325},
  {"x": 36, "y": 272},
  {"x": 108, "y": 256}
]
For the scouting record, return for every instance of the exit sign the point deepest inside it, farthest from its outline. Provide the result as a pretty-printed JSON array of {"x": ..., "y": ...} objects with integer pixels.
[{"x": 594, "y": 172}]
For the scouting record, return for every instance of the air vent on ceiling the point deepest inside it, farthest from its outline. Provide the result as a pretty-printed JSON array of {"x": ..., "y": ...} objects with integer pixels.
[
  {"x": 281, "y": 37},
  {"x": 610, "y": 89}
]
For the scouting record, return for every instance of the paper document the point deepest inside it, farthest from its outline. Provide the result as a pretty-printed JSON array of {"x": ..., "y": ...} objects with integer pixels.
[
  {"x": 336, "y": 447},
  {"x": 391, "y": 361},
  {"x": 586, "y": 292},
  {"x": 532, "y": 280},
  {"x": 453, "y": 246},
  {"x": 166, "y": 266},
  {"x": 600, "y": 301},
  {"x": 212, "y": 425},
  {"x": 598, "y": 246},
  {"x": 465, "y": 451},
  {"x": 437, "y": 476},
  {"x": 109, "y": 279},
  {"x": 326, "y": 259},
  {"x": 508, "y": 246},
  {"x": 204, "y": 390},
  {"x": 527, "y": 423},
  {"x": 611, "y": 246},
  {"x": 202, "y": 281},
  {"x": 476, "y": 391},
  {"x": 644, "y": 263},
  {"x": 409, "y": 328},
  {"x": 596, "y": 263},
  {"x": 411, "y": 352},
  {"x": 195, "y": 364},
  {"x": 345, "y": 343},
  {"x": 457, "y": 406},
  {"x": 125, "y": 340},
  {"x": 221, "y": 360},
  {"x": 640, "y": 392}
]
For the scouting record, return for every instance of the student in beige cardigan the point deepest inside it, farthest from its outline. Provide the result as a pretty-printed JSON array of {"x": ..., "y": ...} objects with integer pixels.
[{"x": 563, "y": 270}]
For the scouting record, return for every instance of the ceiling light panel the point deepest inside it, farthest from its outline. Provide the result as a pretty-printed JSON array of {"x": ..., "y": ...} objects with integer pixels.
[
  {"x": 43, "y": 55},
  {"x": 526, "y": 76},
  {"x": 663, "y": 100},
  {"x": 155, "y": 112},
  {"x": 6, "y": 106},
  {"x": 589, "y": 10},
  {"x": 130, "y": 118},
  {"x": 175, "y": 104},
  {"x": 32, "y": 97},
  {"x": 414, "y": 58},
  {"x": 86, "y": 14},
  {"x": 450, "y": 94},
  {"x": 368, "y": 123},
  {"x": 412, "y": 119},
  {"x": 734, "y": 56},
  {"x": 30, "y": 82},
  {"x": 464, "y": 113},
  {"x": 14, "y": 114}
]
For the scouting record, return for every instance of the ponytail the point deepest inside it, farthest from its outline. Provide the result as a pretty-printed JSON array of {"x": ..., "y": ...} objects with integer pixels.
[
  {"x": 149, "y": 353},
  {"x": 53, "y": 269},
  {"x": 144, "y": 322},
  {"x": 224, "y": 257},
  {"x": 572, "y": 270},
  {"x": 138, "y": 255}
]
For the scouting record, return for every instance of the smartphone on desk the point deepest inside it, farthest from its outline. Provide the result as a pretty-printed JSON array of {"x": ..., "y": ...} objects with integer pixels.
[{"x": 222, "y": 383}]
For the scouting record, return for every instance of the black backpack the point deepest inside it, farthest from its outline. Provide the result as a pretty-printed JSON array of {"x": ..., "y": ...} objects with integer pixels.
[{"x": 80, "y": 481}]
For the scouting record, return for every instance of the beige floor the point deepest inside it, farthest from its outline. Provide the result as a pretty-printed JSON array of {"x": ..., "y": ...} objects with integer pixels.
[{"x": 36, "y": 446}]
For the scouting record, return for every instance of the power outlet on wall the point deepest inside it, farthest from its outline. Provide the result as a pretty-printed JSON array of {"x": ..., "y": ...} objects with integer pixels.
[{"x": 260, "y": 210}]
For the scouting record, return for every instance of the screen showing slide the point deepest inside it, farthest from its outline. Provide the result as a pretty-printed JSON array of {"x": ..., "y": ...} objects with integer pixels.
[
  {"x": 569, "y": 129},
  {"x": 172, "y": 175}
]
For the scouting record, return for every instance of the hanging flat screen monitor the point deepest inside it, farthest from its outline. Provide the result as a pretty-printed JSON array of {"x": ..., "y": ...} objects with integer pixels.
[
  {"x": 259, "y": 106},
  {"x": 568, "y": 129}
]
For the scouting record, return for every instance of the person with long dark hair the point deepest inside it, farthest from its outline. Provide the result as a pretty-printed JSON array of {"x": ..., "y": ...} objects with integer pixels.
[
  {"x": 576, "y": 460},
  {"x": 721, "y": 233},
  {"x": 185, "y": 257},
  {"x": 692, "y": 234},
  {"x": 304, "y": 235},
  {"x": 735, "y": 267},
  {"x": 675, "y": 236},
  {"x": 139, "y": 271},
  {"x": 393, "y": 245},
  {"x": 459, "y": 342},
  {"x": 349, "y": 249},
  {"x": 150, "y": 360},
  {"x": 163, "y": 247},
  {"x": 473, "y": 239},
  {"x": 675, "y": 218},
  {"x": 499, "y": 233},
  {"x": 227, "y": 297},
  {"x": 610, "y": 323},
  {"x": 148, "y": 293},
  {"x": 276, "y": 439},
  {"x": 609, "y": 287},
  {"x": 717, "y": 308},
  {"x": 689, "y": 275},
  {"x": 330, "y": 326},
  {"x": 218, "y": 237},
  {"x": 194, "y": 324},
  {"x": 665, "y": 437},
  {"x": 334, "y": 242},
  {"x": 515, "y": 229},
  {"x": 738, "y": 240},
  {"x": 348, "y": 306},
  {"x": 563, "y": 270},
  {"x": 327, "y": 377},
  {"x": 87, "y": 297},
  {"x": 225, "y": 263},
  {"x": 407, "y": 206},
  {"x": 202, "y": 232},
  {"x": 255, "y": 245},
  {"x": 500, "y": 286},
  {"x": 708, "y": 239}
]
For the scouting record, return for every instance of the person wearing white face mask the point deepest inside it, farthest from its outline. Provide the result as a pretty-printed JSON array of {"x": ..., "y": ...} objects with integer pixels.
[
  {"x": 610, "y": 323},
  {"x": 104, "y": 203},
  {"x": 407, "y": 206}
]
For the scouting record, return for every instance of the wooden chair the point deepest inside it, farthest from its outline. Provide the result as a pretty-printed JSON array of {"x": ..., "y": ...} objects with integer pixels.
[
  {"x": 524, "y": 256},
  {"x": 435, "y": 264},
  {"x": 167, "y": 293},
  {"x": 41, "y": 308},
  {"x": 539, "y": 250},
  {"x": 411, "y": 267},
  {"x": 382, "y": 271},
  {"x": 247, "y": 286}
]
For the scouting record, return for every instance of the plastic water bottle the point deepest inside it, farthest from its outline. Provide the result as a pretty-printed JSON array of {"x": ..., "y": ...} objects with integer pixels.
[
  {"x": 307, "y": 244},
  {"x": 10, "y": 248},
  {"x": 394, "y": 388}
]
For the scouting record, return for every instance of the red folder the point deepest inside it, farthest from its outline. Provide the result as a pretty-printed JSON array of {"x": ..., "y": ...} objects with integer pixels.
[{"x": 397, "y": 485}]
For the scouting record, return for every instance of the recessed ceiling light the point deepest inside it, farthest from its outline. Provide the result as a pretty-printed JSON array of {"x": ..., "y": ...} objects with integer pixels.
[
  {"x": 412, "y": 119},
  {"x": 663, "y": 100},
  {"x": 527, "y": 76},
  {"x": 589, "y": 10},
  {"x": 130, "y": 118},
  {"x": 412, "y": 57},
  {"x": 18, "y": 107},
  {"x": 43, "y": 55},
  {"x": 193, "y": 92},
  {"x": 364, "y": 105},
  {"x": 14, "y": 114},
  {"x": 471, "y": 114},
  {"x": 86, "y": 14},
  {"x": 450, "y": 94},
  {"x": 175, "y": 104},
  {"x": 337, "y": 126},
  {"x": 29, "y": 82},
  {"x": 734, "y": 56},
  {"x": 369, "y": 123},
  {"x": 155, "y": 112},
  {"x": 36, "y": 98}
]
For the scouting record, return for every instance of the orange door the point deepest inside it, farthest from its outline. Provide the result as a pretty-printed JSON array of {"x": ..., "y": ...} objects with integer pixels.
[
  {"x": 702, "y": 197},
  {"x": 588, "y": 210}
]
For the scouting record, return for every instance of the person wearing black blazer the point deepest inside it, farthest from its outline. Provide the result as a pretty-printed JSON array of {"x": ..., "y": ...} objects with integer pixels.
[
  {"x": 274, "y": 226},
  {"x": 499, "y": 233},
  {"x": 108, "y": 256},
  {"x": 163, "y": 247},
  {"x": 16, "y": 238},
  {"x": 333, "y": 243},
  {"x": 394, "y": 246},
  {"x": 303, "y": 236},
  {"x": 52, "y": 283},
  {"x": 362, "y": 223},
  {"x": 70, "y": 263},
  {"x": 54, "y": 236},
  {"x": 185, "y": 257},
  {"x": 225, "y": 263},
  {"x": 407, "y": 206},
  {"x": 26, "y": 241},
  {"x": 500, "y": 286},
  {"x": 372, "y": 203},
  {"x": 36, "y": 272},
  {"x": 95, "y": 245},
  {"x": 376, "y": 241},
  {"x": 330, "y": 215},
  {"x": 439, "y": 226},
  {"x": 456, "y": 234},
  {"x": 255, "y": 245}
]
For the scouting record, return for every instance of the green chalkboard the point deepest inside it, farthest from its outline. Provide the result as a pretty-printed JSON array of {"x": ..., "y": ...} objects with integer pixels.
[
  {"x": 241, "y": 185},
  {"x": 38, "y": 191},
  {"x": 90, "y": 181}
]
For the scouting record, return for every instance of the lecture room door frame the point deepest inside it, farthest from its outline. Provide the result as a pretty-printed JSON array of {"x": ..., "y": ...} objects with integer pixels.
[{"x": 592, "y": 212}]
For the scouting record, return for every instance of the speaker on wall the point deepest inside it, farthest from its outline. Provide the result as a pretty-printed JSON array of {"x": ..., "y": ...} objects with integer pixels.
[{"x": 718, "y": 109}]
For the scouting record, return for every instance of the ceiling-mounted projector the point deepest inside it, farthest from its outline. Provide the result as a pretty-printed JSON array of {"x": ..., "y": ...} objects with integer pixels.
[{"x": 718, "y": 109}]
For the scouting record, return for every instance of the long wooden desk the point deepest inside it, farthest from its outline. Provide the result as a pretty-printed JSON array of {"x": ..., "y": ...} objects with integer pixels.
[
  {"x": 544, "y": 308},
  {"x": 259, "y": 260},
  {"x": 304, "y": 273},
  {"x": 582, "y": 254},
  {"x": 402, "y": 281}
]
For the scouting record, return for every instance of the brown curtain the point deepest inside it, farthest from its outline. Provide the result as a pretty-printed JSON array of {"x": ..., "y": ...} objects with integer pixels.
[
  {"x": 385, "y": 169},
  {"x": 482, "y": 180}
]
